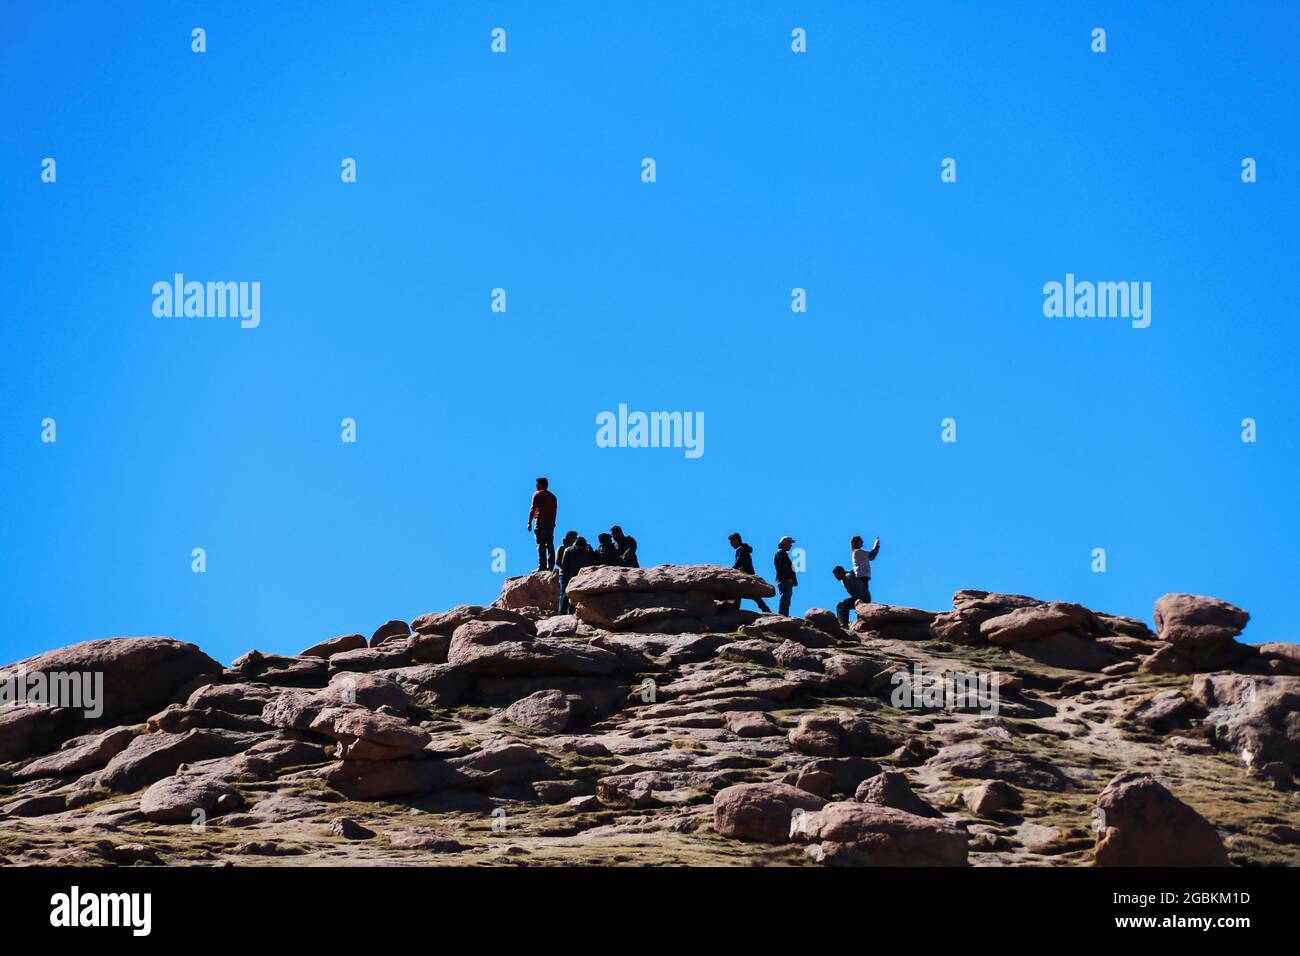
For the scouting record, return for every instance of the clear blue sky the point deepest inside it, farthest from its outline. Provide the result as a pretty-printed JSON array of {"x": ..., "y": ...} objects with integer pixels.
[{"x": 523, "y": 171}]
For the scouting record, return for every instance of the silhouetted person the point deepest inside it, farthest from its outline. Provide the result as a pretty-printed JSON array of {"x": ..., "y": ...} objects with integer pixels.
[
  {"x": 574, "y": 558},
  {"x": 786, "y": 581},
  {"x": 857, "y": 589},
  {"x": 607, "y": 552},
  {"x": 569, "y": 538},
  {"x": 745, "y": 562},
  {"x": 862, "y": 563},
  {"x": 543, "y": 513},
  {"x": 625, "y": 544}
]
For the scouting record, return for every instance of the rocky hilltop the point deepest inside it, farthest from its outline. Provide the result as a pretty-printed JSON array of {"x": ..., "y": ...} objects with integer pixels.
[{"x": 662, "y": 724}]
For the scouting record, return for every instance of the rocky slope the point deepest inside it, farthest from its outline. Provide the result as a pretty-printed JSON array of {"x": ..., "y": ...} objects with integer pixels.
[{"x": 663, "y": 725}]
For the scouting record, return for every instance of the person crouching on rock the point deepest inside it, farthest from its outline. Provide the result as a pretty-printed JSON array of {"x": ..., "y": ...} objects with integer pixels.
[
  {"x": 625, "y": 544},
  {"x": 786, "y": 581},
  {"x": 543, "y": 512},
  {"x": 573, "y": 559},
  {"x": 745, "y": 563},
  {"x": 857, "y": 589}
]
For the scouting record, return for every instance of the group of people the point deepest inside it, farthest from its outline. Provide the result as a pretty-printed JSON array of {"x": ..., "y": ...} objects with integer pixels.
[
  {"x": 619, "y": 549},
  {"x": 857, "y": 582},
  {"x": 613, "y": 547}
]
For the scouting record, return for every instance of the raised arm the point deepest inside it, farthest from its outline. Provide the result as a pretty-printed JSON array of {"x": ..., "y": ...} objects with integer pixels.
[{"x": 875, "y": 549}]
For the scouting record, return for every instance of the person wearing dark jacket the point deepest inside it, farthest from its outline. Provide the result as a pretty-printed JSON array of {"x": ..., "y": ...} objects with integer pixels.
[
  {"x": 745, "y": 563},
  {"x": 857, "y": 589},
  {"x": 625, "y": 544},
  {"x": 569, "y": 538},
  {"x": 786, "y": 580},
  {"x": 607, "y": 552},
  {"x": 572, "y": 560}
]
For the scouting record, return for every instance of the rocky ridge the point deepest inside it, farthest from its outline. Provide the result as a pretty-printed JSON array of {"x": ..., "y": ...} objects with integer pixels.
[{"x": 660, "y": 724}]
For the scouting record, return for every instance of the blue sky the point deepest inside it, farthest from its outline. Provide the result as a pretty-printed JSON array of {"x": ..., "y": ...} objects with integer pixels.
[{"x": 775, "y": 170}]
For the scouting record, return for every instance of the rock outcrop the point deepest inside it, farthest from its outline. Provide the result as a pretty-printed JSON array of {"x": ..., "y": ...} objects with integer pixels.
[
  {"x": 659, "y": 724},
  {"x": 1198, "y": 634},
  {"x": 667, "y": 599}
]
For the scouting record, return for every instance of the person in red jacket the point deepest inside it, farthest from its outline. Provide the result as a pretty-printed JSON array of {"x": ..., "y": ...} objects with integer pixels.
[{"x": 542, "y": 514}]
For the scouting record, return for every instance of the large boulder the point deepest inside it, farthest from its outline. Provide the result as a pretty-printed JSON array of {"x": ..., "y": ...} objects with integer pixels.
[
  {"x": 444, "y": 622},
  {"x": 892, "y": 789},
  {"x": 543, "y": 712},
  {"x": 760, "y": 811},
  {"x": 151, "y": 757},
  {"x": 1192, "y": 620},
  {"x": 839, "y": 734},
  {"x": 1258, "y": 718},
  {"x": 970, "y": 609},
  {"x": 868, "y": 834},
  {"x": 334, "y": 645},
  {"x": 1199, "y": 659},
  {"x": 541, "y": 589},
  {"x": 394, "y": 652},
  {"x": 367, "y": 735},
  {"x": 89, "y": 752},
  {"x": 644, "y": 610},
  {"x": 139, "y": 674},
  {"x": 1281, "y": 657},
  {"x": 1028, "y": 623},
  {"x": 176, "y": 798},
  {"x": 430, "y": 685},
  {"x": 893, "y": 622},
  {"x": 507, "y": 649},
  {"x": 370, "y": 689},
  {"x": 389, "y": 631},
  {"x": 33, "y": 730},
  {"x": 783, "y": 628},
  {"x": 278, "y": 669},
  {"x": 720, "y": 582},
  {"x": 1143, "y": 824},
  {"x": 665, "y": 599}
]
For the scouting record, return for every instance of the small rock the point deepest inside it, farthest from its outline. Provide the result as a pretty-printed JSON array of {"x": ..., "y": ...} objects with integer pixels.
[
  {"x": 349, "y": 829},
  {"x": 989, "y": 799}
]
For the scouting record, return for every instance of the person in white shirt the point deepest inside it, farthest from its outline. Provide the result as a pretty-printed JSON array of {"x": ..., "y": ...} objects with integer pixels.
[{"x": 862, "y": 563}]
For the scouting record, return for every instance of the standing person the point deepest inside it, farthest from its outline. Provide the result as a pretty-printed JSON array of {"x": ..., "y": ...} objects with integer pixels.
[
  {"x": 862, "y": 564},
  {"x": 567, "y": 542},
  {"x": 542, "y": 513},
  {"x": 573, "y": 559},
  {"x": 745, "y": 563},
  {"x": 786, "y": 581},
  {"x": 626, "y": 546},
  {"x": 857, "y": 589}
]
